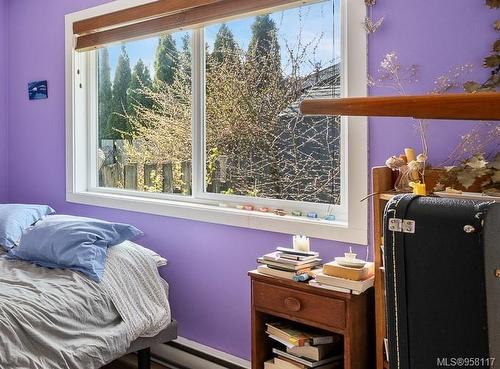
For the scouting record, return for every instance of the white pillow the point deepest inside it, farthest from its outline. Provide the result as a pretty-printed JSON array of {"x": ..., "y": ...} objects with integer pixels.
[{"x": 160, "y": 260}]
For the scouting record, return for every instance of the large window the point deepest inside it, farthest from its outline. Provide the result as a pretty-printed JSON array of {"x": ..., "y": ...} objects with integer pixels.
[
  {"x": 207, "y": 119},
  {"x": 257, "y": 70},
  {"x": 144, "y": 111}
]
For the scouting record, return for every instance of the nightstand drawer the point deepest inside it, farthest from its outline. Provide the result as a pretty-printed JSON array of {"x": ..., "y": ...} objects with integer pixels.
[{"x": 316, "y": 308}]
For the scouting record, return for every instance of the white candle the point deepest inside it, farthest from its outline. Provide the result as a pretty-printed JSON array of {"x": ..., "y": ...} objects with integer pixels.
[
  {"x": 350, "y": 255},
  {"x": 301, "y": 243}
]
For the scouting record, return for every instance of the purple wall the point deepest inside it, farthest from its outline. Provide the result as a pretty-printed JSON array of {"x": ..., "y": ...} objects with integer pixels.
[
  {"x": 436, "y": 36},
  {"x": 3, "y": 101},
  {"x": 208, "y": 263}
]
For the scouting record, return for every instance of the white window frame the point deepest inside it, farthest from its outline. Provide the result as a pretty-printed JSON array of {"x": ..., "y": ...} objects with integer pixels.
[{"x": 81, "y": 126}]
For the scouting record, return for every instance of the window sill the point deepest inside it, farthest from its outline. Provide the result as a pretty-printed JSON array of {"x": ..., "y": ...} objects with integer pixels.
[{"x": 337, "y": 231}]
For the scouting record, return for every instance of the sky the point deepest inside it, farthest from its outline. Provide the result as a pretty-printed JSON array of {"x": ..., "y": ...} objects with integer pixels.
[{"x": 317, "y": 23}]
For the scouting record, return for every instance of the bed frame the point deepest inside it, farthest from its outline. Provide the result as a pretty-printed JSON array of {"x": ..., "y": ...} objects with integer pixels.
[{"x": 142, "y": 346}]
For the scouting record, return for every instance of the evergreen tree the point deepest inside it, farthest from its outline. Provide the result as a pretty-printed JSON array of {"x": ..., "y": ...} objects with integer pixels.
[
  {"x": 118, "y": 122},
  {"x": 140, "y": 83},
  {"x": 225, "y": 46},
  {"x": 185, "y": 57},
  {"x": 167, "y": 59},
  {"x": 264, "y": 49},
  {"x": 105, "y": 94}
]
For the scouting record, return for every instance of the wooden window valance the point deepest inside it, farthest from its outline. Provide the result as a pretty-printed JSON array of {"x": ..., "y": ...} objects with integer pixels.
[{"x": 163, "y": 16}]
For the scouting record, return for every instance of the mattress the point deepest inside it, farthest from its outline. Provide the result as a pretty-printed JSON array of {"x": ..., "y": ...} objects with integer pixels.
[{"x": 54, "y": 318}]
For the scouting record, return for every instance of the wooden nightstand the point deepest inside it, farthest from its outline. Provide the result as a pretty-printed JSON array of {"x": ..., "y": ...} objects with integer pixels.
[{"x": 348, "y": 315}]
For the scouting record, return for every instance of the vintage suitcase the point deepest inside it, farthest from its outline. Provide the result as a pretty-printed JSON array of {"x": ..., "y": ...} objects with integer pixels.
[{"x": 442, "y": 263}]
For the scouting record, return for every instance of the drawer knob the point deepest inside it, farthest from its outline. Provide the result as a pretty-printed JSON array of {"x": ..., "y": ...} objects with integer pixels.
[{"x": 292, "y": 304}]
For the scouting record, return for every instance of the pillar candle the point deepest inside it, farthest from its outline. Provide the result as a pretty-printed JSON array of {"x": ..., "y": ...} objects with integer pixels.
[
  {"x": 410, "y": 154},
  {"x": 301, "y": 243}
]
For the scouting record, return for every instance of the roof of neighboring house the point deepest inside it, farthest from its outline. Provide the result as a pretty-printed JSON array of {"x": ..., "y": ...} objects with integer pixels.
[
  {"x": 322, "y": 77},
  {"x": 319, "y": 85}
]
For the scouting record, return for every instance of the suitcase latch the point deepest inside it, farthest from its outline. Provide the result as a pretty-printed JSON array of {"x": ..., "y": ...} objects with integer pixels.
[
  {"x": 408, "y": 226},
  {"x": 395, "y": 224},
  {"x": 401, "y": 225}
]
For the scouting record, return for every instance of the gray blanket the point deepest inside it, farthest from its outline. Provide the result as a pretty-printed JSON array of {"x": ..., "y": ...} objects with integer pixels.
[{"x": 53, "y": 318}]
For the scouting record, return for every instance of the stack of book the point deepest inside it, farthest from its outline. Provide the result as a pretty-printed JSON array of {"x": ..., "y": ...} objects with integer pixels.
[
  {"x": 344, "y": 279},
  {"x": 289, "y": 263},
  {"x": 303, "y": 348}
]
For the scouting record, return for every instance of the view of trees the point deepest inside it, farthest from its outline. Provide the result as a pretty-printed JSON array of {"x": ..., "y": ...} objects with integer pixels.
[{"x": 257, "y": 143}]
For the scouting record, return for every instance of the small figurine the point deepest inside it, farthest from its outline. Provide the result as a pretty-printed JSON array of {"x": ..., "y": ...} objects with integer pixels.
[
  {"x": 280, "y": 212},
  {"x": 409, "y": 167}
]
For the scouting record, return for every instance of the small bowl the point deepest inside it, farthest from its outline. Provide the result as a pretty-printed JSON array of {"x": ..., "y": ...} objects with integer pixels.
[{"x": 350, "y": 255}]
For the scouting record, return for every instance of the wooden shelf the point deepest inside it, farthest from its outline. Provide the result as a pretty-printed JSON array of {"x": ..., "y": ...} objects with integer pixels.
[
  {"x": 383, "y": 183},
  {"x": 477, "y": 106}
]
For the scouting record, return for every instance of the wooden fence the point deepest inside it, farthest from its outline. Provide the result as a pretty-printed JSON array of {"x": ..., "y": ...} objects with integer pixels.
[{"x": 159, "y": 177}]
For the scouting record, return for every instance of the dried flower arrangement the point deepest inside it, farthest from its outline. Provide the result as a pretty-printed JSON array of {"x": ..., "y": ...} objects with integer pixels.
[
  {"x": 469, "y": 160},
  {"x": 393, "y": 75},
  {"x": 492, "y": 61},
  {"x": 370, "y": 25},
  {"x": 469, "y": 165},
  {"x": 473, "y": 171},
  {"x": 462, "y": 167}
]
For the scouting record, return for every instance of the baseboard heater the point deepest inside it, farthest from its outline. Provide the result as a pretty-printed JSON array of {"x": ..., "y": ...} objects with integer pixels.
[{"x": 185, "y": 354}]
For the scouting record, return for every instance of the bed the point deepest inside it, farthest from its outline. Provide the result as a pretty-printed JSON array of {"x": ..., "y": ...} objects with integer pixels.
[{"x": 54, "y": 318}]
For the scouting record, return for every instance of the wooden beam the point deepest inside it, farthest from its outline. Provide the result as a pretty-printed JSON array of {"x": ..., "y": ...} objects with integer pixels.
[
  {"x": 136, "y": 13},
  {"x": 216, "y": 12},
  {"x": 476, "y": 106}
]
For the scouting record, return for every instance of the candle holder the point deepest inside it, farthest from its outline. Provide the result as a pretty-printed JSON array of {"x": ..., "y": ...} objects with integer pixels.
[{"x": 301, "y": 243}]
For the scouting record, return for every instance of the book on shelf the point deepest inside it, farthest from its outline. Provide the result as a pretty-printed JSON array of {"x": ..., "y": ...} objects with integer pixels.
[
  {"x": 284, "y": 363},
  {"x": 287, "y": 333},
  {"x": 355, "y": 286},
  {"x": 289, "y": 267},
  {"x": 286, "y": 250},
  {"x": 289, "y": 264},
  {"x": 302, "y": 362},
  {"x": 316, "y": 353},
  {"x": 280, "y": 257},
  {"x": 280, "y": 363},
  {"x": 315, "y": 283},
  {"x": 356, "y": 274},
  {"x": 321, "y": 339},
  {"x": 286, "y": 274},
  {"x": 290, "y": 333},
  {"x": 283, "y": 341},
  {"x": 284, "y": 255},
  {"x": 269, "y": 364}
]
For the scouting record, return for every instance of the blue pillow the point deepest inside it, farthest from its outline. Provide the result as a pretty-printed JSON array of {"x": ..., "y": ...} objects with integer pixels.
[
  {"x": 69, "y": 242},
  {"x": 15, "y": 218}
]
